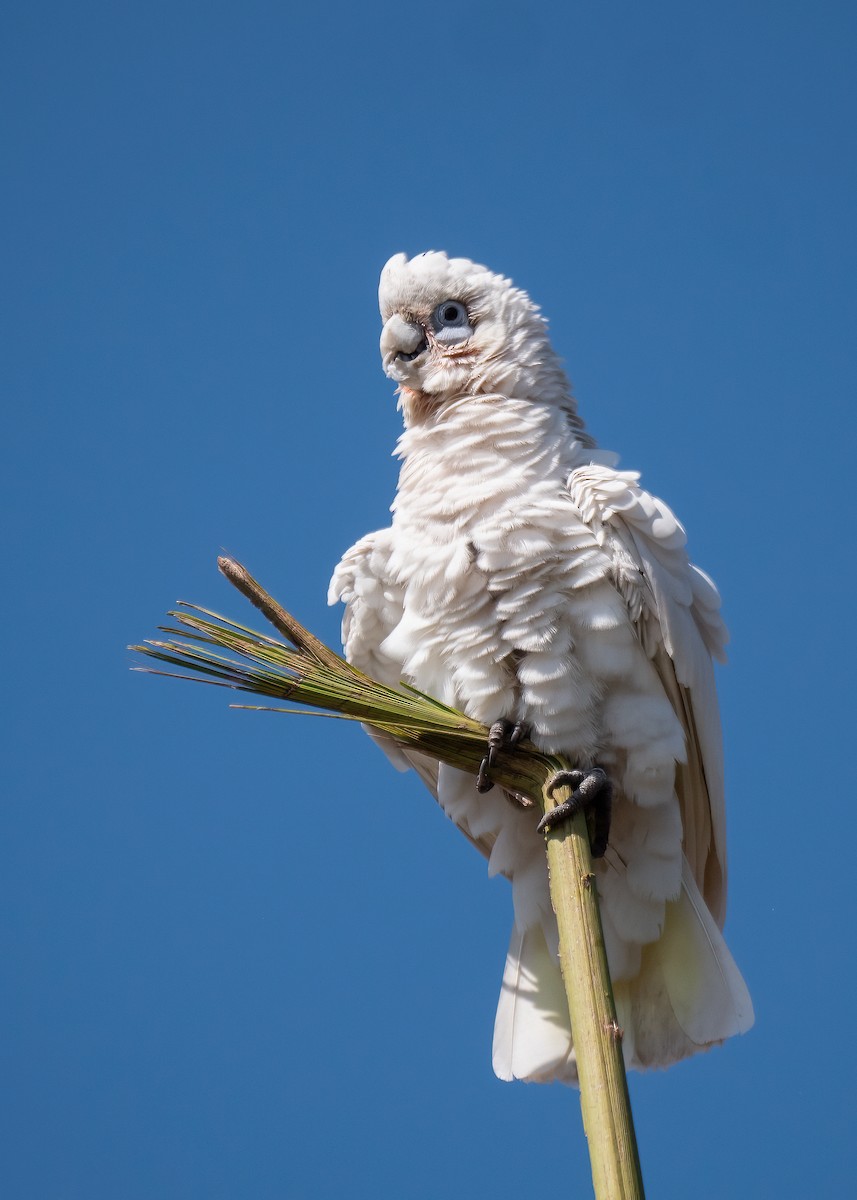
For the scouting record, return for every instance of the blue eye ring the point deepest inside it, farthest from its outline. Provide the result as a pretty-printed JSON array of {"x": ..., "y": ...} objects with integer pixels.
[{"x": 450, "y": 314}]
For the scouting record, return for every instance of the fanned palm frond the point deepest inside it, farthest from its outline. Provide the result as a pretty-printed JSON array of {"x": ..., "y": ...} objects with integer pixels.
[{"x": 207, "y": 647}]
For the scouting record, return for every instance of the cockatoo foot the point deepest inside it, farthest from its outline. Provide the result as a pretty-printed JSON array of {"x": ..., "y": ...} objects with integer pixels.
[
  {"x": 503, "y": 735},
  {"x": 592, "y": 790}
]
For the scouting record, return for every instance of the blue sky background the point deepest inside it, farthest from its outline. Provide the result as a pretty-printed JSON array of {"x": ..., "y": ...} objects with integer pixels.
[{"x": 211, "y": 989}]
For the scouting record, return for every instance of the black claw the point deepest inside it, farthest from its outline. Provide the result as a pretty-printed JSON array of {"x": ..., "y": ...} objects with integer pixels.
[
  {"x": 518, "y": 732},
  {"x": 502, "y": 735},
  {"x": 592, "y": 790},
  {"x": 484, "y": 783}
]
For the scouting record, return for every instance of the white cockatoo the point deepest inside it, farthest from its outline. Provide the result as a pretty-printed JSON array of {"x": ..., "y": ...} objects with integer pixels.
[{"x": 525, "y": 579}]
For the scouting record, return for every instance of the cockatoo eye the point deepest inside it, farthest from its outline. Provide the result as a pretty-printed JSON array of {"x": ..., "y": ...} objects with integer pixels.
[
  {"x": 450, "y": 315},
  {"x": 450, "y": 323}
]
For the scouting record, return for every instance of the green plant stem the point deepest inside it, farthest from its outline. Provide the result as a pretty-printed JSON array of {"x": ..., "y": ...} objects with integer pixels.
[{"x": 604, "y": 1099}]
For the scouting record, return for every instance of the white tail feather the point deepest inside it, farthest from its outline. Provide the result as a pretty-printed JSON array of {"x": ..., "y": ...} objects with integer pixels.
[
  {"x": 707, "y": 993},
  {"x": 688, "y": 995},
  {"x": 532, "y": 1033}
]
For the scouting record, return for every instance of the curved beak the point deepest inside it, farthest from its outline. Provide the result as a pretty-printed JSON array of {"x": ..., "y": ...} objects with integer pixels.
[{"x": 401, "y": 343}]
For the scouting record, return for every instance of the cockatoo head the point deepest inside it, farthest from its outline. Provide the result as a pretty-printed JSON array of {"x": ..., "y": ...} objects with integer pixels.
[{"x": 453, "y": 328}]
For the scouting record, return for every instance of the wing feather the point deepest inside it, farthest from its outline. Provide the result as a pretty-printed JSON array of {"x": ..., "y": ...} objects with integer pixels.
[{"x": 675, "y": 609}]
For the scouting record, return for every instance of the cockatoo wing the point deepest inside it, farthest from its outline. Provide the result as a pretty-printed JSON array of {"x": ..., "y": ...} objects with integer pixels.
[
  {"x": 675, "y": 609},
  {"x": 373, "y": 604},
  {"x": 373, "y": 601},
  {"x": 685, "y": 992},
  {"x": 373, "y": 609}
]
